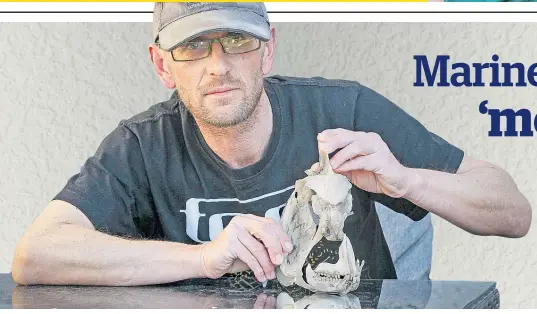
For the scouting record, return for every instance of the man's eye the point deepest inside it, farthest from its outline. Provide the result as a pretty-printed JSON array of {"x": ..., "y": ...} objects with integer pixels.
[
  {"x": 235, "y": 40},
  {"x": 194, "y": 45}
]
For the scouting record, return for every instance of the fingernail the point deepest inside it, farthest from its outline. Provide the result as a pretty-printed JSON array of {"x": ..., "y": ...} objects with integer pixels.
[
  {"x": 262, "y": 279},
  {"x": 288, "y": 246},
  {"x": 279, "y": 259},
  {"x": 272, "y": 275}
]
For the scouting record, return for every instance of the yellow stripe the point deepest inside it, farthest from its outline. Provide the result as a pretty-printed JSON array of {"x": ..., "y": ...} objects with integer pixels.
[{"x": 216, "y": 1}]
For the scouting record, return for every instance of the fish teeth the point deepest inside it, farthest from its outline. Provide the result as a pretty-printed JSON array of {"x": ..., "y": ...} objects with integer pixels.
[{"x": 329, "y": 277}]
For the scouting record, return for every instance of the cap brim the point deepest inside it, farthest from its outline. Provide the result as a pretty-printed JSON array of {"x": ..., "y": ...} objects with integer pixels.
[{"x": 201, "y": 23}]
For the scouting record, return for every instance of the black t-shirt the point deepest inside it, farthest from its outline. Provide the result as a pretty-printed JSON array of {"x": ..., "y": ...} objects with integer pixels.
[{"x": 154, "y": 177}]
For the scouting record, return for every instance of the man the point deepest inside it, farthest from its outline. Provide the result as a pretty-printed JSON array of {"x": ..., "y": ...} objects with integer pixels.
[{"x": 160, "y": 200}]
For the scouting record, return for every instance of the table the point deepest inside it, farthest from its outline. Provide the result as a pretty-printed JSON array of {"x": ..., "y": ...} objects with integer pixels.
[{"x": 206, "y": 293}]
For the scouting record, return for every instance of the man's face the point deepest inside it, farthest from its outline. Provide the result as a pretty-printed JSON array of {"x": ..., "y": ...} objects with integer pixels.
[{"x": 222, "y": 89}]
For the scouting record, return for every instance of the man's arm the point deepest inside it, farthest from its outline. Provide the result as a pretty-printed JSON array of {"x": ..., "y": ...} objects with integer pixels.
[
  {"x": 480, "y": 198},
  {"x": 62, "y": 247}
]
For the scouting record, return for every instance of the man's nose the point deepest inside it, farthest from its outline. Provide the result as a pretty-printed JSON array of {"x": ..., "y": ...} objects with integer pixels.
[{"x": 217, "y": 62}]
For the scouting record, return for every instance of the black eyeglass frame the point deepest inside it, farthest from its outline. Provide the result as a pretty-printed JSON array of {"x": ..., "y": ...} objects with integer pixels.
[{"x": 210, "y": 47}]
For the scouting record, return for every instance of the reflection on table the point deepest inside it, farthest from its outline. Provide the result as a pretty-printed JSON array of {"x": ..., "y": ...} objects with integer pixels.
[{"x": 205, "y": 293}]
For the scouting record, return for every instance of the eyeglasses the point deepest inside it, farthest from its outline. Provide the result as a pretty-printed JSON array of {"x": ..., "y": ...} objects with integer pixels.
[{"x": 197, "y": 49}]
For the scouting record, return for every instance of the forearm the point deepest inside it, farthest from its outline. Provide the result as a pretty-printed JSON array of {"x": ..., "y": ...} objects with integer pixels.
[
  {"x": 483, "y": 201},
  {"x": 71, "y": 254}
]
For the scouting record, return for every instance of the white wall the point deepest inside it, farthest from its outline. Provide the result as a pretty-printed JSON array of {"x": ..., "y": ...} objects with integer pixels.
[{"x": 64, "y": 86}]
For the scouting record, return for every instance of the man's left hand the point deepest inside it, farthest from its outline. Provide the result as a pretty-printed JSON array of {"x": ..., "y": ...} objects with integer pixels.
[{"x": 366, "y": 160}]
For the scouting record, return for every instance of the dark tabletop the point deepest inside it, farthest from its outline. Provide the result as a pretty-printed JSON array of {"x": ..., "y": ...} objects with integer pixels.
[{"x": 221, "y": 294}]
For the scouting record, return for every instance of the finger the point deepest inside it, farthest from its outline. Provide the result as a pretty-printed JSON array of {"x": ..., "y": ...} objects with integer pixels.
[
  {"x": 260, "y": 301},
  {"x": 367, "y": 163},
  {"x": 284, "y": 239},
  {"x": 333, "y": 145},
  {"x": 244, "y": 255},
  {"x": 273, "y": 225},
  {"x": 271, "y": 242},
  {"x": 270, "y": 302},
  {"x": 315, "y": 167},
  {"x": 359, "y": 147},
  {"x": 272, "y": 235},
  {"x": 334, "y": 142},
  {"x": 260, "y": 253},
  {"x": 330, "y": 133}
]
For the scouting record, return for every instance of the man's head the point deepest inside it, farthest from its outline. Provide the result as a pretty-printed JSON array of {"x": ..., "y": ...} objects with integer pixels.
[{"x": 215, "y": 55}]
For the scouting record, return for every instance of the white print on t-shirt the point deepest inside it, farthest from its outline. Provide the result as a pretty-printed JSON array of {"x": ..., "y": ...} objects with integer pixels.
[{"x": 216, "y": 224}]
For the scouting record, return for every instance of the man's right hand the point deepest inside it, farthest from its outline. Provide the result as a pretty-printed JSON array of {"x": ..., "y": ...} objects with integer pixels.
[{"x": 247, "y": 242}]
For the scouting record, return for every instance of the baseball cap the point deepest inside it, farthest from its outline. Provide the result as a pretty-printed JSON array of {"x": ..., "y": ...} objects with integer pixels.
[{"x": 178, "y": 22}]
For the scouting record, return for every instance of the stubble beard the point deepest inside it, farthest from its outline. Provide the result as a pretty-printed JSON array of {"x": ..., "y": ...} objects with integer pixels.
[{"x": 237, "y": 114}]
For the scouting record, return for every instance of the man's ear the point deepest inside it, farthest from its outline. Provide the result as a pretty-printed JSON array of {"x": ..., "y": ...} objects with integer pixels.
[
  {"x": 159, "y": 62},
  {"x": 268, "y": 52}
]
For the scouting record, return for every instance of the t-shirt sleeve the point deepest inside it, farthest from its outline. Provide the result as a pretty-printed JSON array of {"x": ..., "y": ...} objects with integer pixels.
[
  {"x": 409, "y": 141},
  {"x": 111, "y": 188}
]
